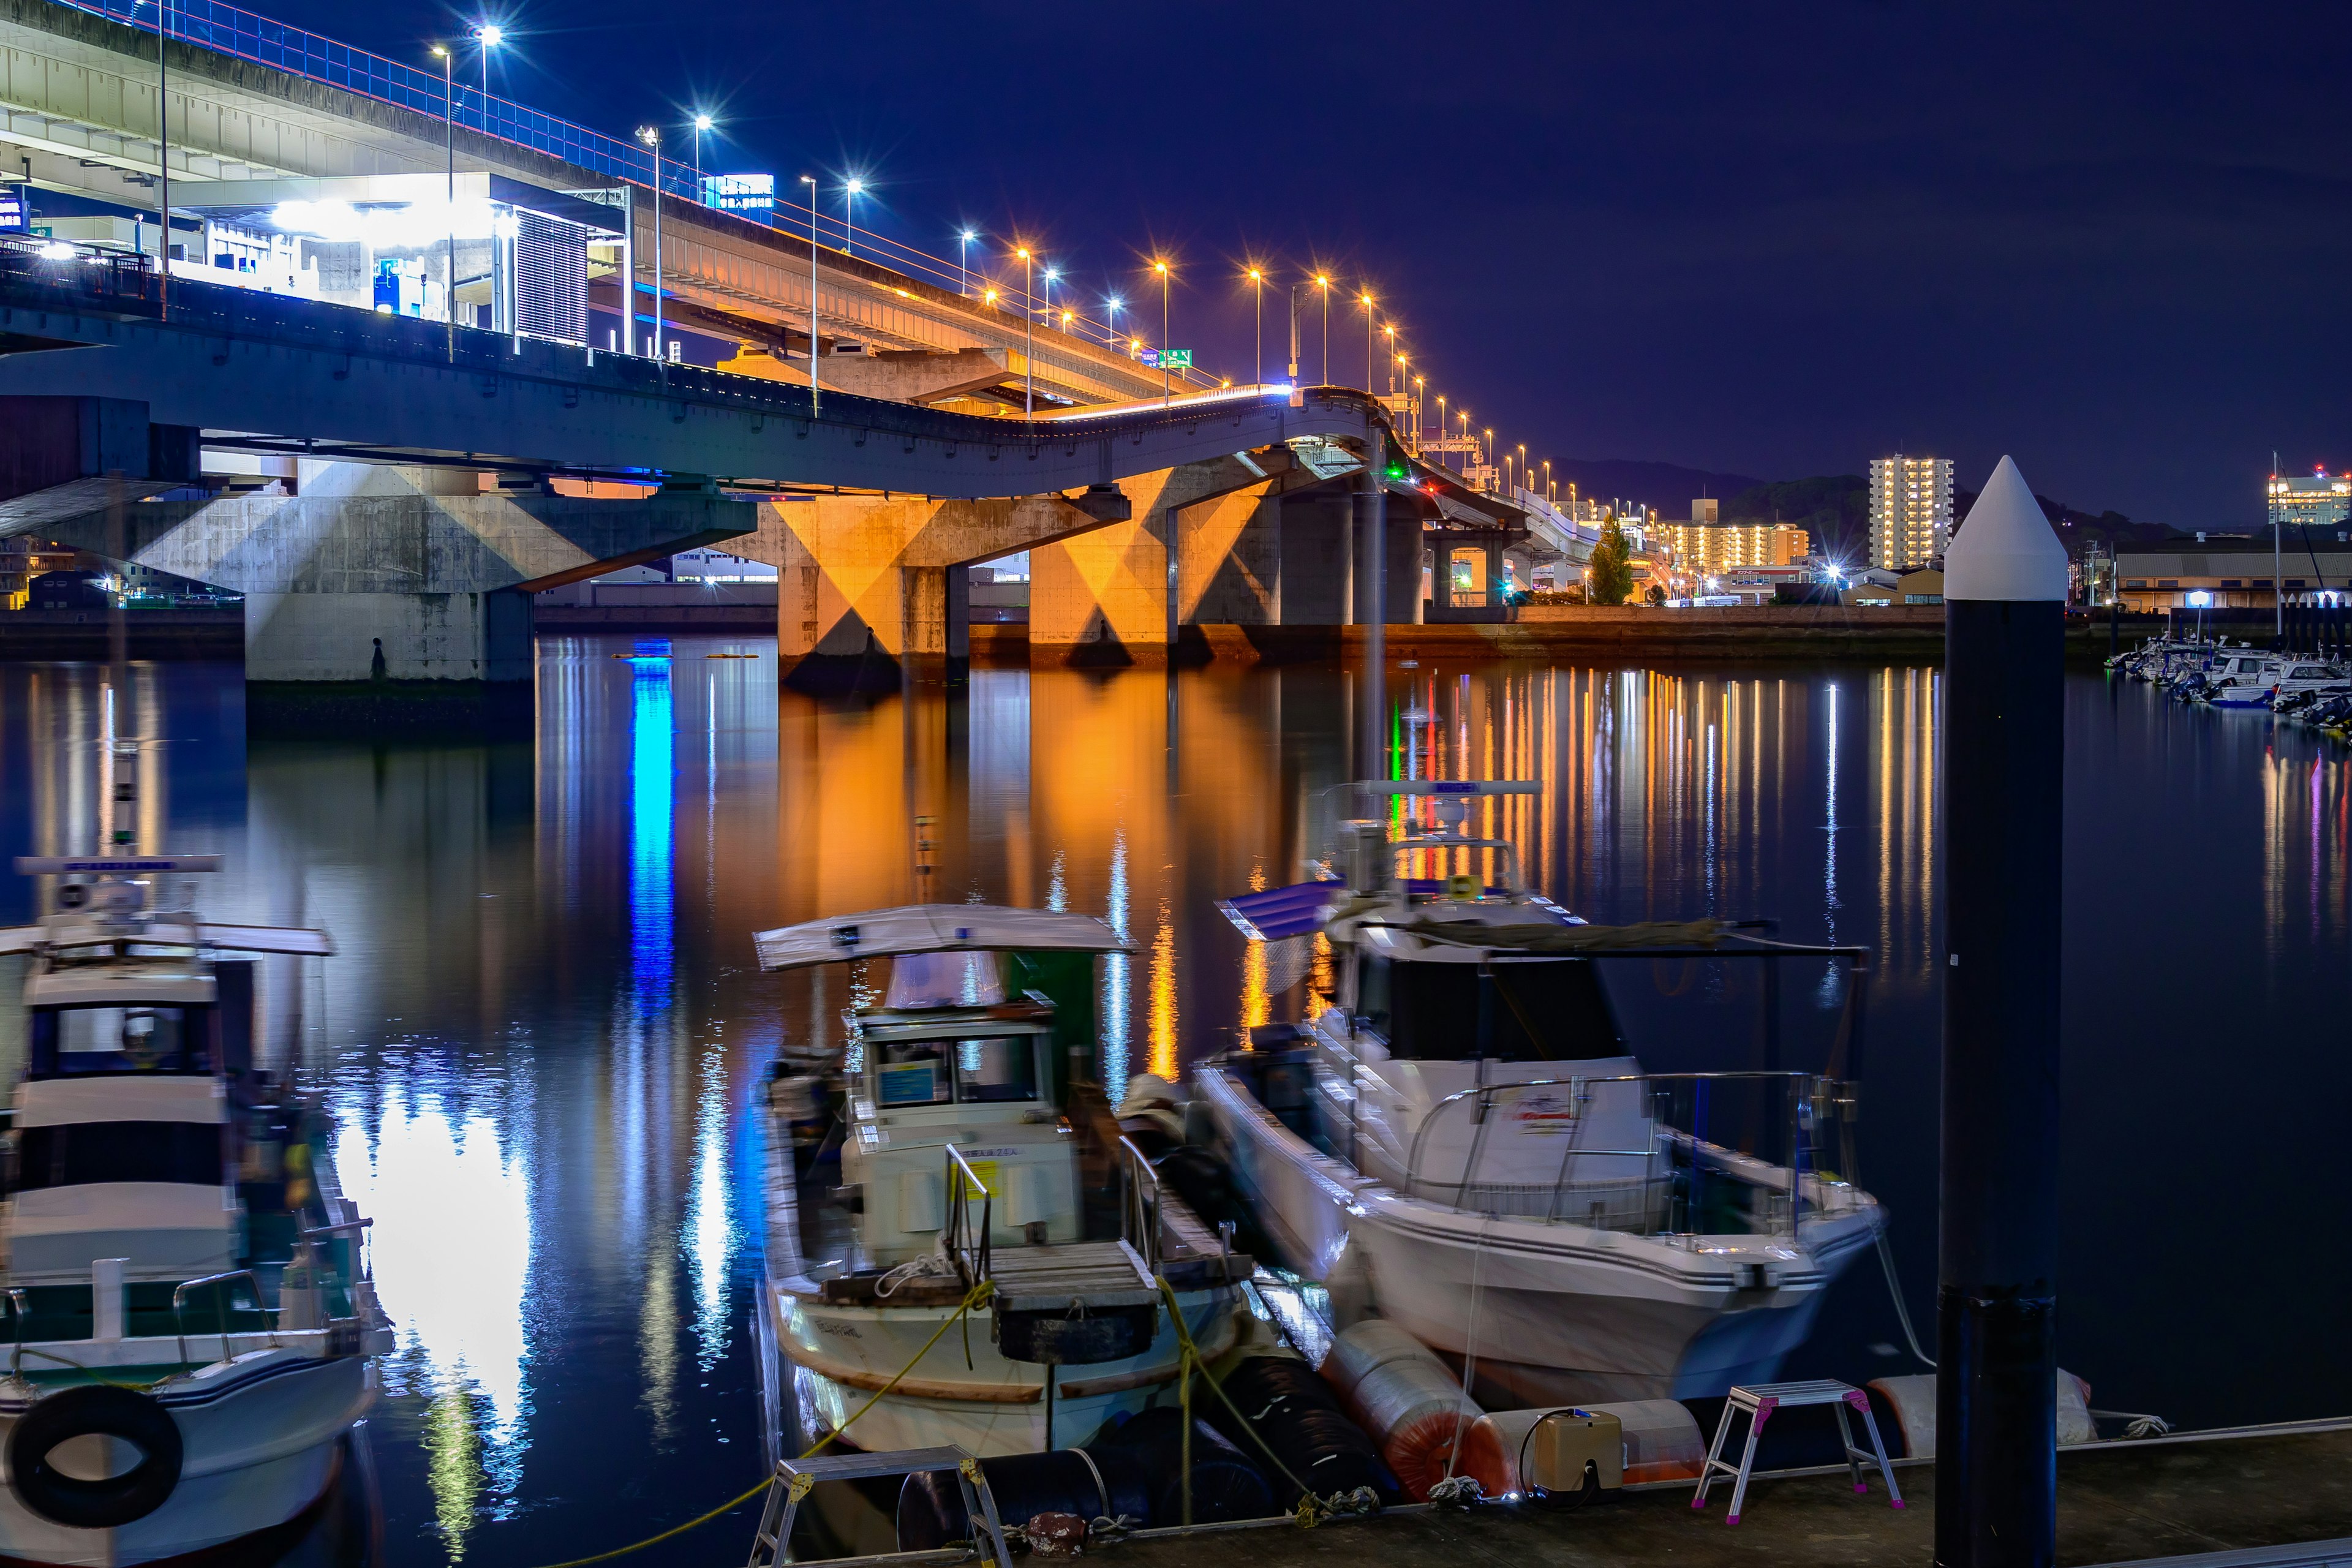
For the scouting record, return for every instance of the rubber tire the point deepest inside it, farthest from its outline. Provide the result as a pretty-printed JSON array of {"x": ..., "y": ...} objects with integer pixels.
[{"x": 114, "y": 1413}]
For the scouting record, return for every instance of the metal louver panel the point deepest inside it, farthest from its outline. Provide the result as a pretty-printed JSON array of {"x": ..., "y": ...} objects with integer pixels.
[{"x": 550, "y": 277}]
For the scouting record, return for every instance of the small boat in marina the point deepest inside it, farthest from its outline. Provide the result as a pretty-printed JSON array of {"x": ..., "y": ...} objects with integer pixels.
[
  {"x": 986, "y": 1268},
  {"x": 190, "y": 1316},
  {"x": 1463, "y": 1142}
]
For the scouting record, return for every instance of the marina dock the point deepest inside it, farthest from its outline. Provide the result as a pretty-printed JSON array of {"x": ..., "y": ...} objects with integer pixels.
[{"x": 2240, "y": 1497}]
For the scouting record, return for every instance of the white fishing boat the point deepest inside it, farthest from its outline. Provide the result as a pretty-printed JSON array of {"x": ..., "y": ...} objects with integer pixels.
[
  {"x": 953, "y": 1286},
  {"x": 1463, "y": 1142},
  {"x": 190, "y": 1315}
]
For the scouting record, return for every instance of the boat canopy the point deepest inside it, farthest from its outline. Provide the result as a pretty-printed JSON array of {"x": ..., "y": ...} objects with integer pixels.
[
  {"x": 934, "y": 928},
  {"x": 1277, "y": 912}
]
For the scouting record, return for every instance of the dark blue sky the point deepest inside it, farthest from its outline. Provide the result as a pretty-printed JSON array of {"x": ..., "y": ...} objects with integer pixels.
[{"x": 1767, "y": 238}]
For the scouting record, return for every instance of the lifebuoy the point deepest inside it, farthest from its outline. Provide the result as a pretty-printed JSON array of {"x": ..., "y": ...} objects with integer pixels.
[{"x": 105, "y": 1411}]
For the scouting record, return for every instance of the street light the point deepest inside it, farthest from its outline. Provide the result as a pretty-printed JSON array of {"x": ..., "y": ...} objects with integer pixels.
[
  {"x": 849, "y": 194},
  {"x": 1111, "y": 308},
  {"x": 449, "y": 127},
  {"x": 1166, "y": 383},
  {"x": 964, "y": 259},
  {"x": 702, "y": 122},
  {"x": 488, "y": 37},
  {"x": 1365, "y": 299},
  {"x": 816, "y": 394},
  {"x": 1390, "y": 333},
  {"x": 651, "y": 136},
  {"x": 1417, "y": 394},
  {"x": 1257, "y": 365},
  {"x": 1324, "y": 283},
  {"x": 1029, "y": 353},
  {"x": 1549, "y": 493},
  {"x": 1523, "y": 462}
]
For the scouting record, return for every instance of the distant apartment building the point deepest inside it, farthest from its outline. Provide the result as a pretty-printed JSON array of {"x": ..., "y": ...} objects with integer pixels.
[
  {"x": 2308, "y": 500},
  {"x": 1910, "y": 510},
  {"x": 1707, "y": 546}
]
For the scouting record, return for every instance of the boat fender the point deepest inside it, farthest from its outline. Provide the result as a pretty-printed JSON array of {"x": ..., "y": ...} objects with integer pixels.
[
  {"x": 1913, "y": 1397},
  {"x": 101, "y": 1410}
]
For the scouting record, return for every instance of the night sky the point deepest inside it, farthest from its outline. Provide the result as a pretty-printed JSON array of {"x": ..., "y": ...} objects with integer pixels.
[{"x": 1766, "y": 239}]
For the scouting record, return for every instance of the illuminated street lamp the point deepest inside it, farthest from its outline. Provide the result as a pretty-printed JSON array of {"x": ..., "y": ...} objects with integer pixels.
[
  {"x": 702, "y": 122},
  {"x": 1550, "y": 494},
  {"x": 1257, "y": 365},
  {"x": 1167, "y": 382},
  {"x": 849, "y": 194},
  {"x": 1111, "y": 308},
  {"x": 651, "y": 136},
  {"x": 488, "y": 37},
  {"x": 1029, "y": 353},
  {"x": 1366, "y": 300},
  {"x": 1324, "y": 283},
  {"x": 816, "y": 394},
  {"x": 964, "y": 259},
  {"x": 450, "y": 128},
  {"x": 1390, "y": 332}
]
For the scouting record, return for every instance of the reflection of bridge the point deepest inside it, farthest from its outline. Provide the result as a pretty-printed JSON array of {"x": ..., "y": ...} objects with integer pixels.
[{"x": 375, "y": 429}]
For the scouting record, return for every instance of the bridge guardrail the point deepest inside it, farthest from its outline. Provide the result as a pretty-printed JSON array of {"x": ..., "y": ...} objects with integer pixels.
[{"x": 246, "y": 35}]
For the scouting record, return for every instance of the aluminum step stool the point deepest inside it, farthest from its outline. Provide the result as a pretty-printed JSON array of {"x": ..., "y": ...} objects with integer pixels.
[
  {"x": 1764, "y": 1398},
  {"x": 793, "y": 1478}
]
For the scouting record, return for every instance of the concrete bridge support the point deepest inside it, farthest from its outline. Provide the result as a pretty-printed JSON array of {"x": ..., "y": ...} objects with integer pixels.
[{"x": 399, "y": 589}]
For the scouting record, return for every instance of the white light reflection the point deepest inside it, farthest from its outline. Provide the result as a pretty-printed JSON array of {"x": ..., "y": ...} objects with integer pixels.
[
  {"x": 709, "y": 1230},
  {"x": 452, "y": 1245},
  {"x": 1115, "y": 971}
]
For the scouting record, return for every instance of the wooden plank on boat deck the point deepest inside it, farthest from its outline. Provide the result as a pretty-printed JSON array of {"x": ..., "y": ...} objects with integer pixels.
[{"x": 1098, "y": 1273}]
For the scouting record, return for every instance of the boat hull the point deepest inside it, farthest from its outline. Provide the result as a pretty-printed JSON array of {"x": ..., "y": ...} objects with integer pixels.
[
  {"x": 257, "y": 1452},
  {"x": 1562, "y": 1312},
  {"x": 828, "y": 1361}
]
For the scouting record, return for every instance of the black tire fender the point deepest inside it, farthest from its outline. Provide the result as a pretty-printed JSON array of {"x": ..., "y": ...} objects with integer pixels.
[{"x": 108, "y": 1411}]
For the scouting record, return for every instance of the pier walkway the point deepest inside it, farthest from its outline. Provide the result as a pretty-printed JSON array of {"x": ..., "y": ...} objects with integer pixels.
[{"x": 2206, "y": 1498}]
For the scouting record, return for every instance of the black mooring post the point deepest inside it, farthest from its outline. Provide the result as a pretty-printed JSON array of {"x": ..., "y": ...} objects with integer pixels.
[{"x": 2004, "y": 660}]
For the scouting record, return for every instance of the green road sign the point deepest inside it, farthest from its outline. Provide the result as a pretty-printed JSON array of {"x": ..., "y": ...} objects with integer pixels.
[{"x": 1176, "y": 358}]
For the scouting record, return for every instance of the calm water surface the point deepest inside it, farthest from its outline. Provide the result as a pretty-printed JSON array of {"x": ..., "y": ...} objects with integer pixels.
[{"x": 544, "y": 1027}]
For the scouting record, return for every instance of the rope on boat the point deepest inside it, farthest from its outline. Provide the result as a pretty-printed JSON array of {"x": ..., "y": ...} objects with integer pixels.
[{"x": 978, "y": 1294}]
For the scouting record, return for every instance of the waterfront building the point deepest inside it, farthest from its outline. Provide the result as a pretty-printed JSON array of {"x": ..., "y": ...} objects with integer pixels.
[
  {"x": 1707, "y": 547},
  {"x": 2319, "y": 500},
  {"x": 1910, "y": 510},
  {"x": 2189, "y": 576}
]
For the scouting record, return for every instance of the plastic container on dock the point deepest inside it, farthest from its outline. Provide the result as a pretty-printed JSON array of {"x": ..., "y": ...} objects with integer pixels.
[
  {"x": 1658, "y": 1440},
  {"x": 1409, "y": 1401}
]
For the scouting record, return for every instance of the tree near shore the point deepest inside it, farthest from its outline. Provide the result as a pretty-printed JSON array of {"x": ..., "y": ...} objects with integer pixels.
[{"x": 1611, "y": 567}]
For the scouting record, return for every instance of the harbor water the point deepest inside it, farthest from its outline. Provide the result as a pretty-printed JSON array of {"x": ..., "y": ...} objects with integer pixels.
[{"x": 544, "y": 1025}]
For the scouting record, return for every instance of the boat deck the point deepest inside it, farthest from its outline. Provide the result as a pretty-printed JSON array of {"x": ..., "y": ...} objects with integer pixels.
[
  {"x": 2117, "y": 1503},
  {"x": 1102, "y": 1274}
]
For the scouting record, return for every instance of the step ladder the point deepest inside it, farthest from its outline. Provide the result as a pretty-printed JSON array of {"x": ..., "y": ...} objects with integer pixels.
[{"x": 794, "y": 1478}]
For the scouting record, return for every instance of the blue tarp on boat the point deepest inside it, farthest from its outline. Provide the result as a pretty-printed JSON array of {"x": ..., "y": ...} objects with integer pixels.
[{"x": 1278, "y": 912}]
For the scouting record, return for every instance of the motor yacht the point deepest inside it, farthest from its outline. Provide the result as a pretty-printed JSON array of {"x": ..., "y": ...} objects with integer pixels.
[
  {"x": 1460, "y": 1139},
  {"x": 190, "y": 1313}
]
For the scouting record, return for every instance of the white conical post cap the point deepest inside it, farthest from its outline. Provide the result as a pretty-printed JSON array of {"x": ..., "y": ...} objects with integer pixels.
[{"x": 2006, "y": 549}]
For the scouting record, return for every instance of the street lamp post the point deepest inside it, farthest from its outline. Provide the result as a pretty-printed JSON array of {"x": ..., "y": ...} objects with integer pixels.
[
  {"x": 816, "y": 394},
  {"x": 701, "y": 123},
  {"x": 1257, "y": 364},
  {"x": 849, "y": 194},
  {"x": 449, "y": 126},
  {"x": 488, "y": 38},
  {"x": 1325, "y": 285},
  {"x": 1547, "y": 463},
  {"x": 964, "y": 260},
  {"x": 1418, "y": 384},
  {"x": 1367, "y": 299},
  {"x": 651, "y": 136},
  {"x": 1389, "y": 331},
  {"x": 1029, "y": 352},
  {"x": 1167, "y": 383},
  {"x": 1110, "y": 317},
  {"x": 1484, "y": 461}
]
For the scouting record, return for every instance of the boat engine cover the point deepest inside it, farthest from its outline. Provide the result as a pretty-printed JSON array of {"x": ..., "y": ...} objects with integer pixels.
[{"x": 1052, "y": 1338}]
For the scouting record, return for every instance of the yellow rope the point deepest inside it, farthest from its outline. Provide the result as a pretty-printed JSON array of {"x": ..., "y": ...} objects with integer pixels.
[{"x": 979, "y": 1294}]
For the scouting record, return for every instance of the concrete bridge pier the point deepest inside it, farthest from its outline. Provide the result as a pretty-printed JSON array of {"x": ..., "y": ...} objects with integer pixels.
[{"x": 396, "y": 597}]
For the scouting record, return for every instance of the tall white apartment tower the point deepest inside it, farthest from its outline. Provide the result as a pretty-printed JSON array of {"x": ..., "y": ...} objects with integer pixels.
[{"x": 1910, "y": 510}]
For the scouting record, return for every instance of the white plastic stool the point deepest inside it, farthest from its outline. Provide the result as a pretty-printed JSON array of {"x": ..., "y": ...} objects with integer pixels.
[{"x": 1759, "y": 1401}]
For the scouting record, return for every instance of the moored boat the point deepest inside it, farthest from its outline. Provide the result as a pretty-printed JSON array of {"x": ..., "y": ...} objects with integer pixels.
[
  {"x": 191, "y": 1317},
  {"x": 1463, "y": 1142}
]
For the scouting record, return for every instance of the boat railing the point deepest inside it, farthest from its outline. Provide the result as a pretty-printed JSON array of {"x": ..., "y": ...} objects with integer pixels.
[
  {"x": 17, "y": 1309},
  {"x": 220, "y": 1283},
  {"x": 359, "y": 1287},
  {"x": 966, "y": 1243},
  {"x": 1632, "y": 1205},
  {"x": 1139, "y": 1204}
]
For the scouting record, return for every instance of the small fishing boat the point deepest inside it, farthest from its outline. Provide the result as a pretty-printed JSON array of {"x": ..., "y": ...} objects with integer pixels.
[
  {"x": 1463, "y": 1142},
  {"x": 190, "y": 1315},
  {"x": 987, "y": 1270}
]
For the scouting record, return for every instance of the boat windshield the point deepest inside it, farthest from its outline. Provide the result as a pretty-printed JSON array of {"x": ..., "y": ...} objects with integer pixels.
[
  {"x": 1552, "y": 1010},
  {"x": 960, "y": 1072},
  {"x": 133, "y": 1037}
]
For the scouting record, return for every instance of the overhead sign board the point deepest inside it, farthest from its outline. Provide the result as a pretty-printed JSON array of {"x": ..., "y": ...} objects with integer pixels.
[
  {"x": 1168, "y": 359},
  {"x": 13, "y": 209},
  {"x": 754, "y": 195}
]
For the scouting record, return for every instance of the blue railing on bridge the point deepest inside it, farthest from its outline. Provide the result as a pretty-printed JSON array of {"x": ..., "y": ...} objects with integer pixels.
[{"x": 233, "y": 30}]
